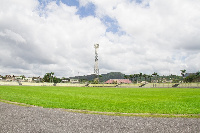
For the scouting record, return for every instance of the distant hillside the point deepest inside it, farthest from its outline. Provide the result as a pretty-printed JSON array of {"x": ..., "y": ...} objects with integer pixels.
[{"x": 102, "y": 77}]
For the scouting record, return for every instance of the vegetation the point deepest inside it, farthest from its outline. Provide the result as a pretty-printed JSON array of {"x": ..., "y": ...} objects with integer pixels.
[
  {"x": 155, "y": 78},
  {"x": 135, "y": 78},
  {"x": 193, "y": 78},
  {"x": 126, "y": 100},
  {"x": 183, "y": 72},
  {"x": 49, "y": 77}
]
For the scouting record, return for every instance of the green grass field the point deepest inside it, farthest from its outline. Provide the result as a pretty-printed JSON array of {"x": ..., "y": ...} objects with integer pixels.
[{"x": 123, "y": 100}]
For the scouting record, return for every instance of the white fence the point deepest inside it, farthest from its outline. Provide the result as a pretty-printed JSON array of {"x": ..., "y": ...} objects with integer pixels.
[{"x": 149, "y": 85}]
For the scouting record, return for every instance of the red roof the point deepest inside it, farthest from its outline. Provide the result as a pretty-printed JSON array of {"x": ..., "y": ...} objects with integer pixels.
[{"x": 110, "y": 81}]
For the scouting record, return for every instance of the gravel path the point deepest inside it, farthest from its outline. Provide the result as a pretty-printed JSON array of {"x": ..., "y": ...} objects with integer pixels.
[{"x": 15, "y": 119}]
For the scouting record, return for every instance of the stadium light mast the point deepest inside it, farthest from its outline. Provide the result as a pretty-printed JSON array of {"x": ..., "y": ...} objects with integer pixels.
[{"x": 96, "y": 65}]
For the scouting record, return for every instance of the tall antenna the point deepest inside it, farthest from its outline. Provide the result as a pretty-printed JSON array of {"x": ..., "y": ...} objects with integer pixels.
[{"x": 96, "y": 66}]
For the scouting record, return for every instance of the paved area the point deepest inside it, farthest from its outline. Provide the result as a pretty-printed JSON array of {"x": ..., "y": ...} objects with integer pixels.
[{"x": 19, "y": 119}]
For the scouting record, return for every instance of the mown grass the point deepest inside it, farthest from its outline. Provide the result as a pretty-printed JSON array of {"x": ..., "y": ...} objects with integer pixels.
[{"x": 124, "y": 100}]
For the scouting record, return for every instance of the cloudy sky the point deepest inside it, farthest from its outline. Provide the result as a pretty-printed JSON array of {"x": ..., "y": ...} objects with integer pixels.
[{"x": 39, "y": 36}]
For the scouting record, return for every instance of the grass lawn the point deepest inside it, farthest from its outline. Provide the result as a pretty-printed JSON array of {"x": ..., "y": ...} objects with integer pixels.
[{"x": 123, "y": 100}]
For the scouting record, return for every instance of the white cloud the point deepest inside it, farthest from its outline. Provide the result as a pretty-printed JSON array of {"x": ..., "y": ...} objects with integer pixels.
[
  {"x": 12, "y": 36},
  {"x": 161, "y": 36},
  {"x": 56, "y": 38},
  {"x": 161, "y": 32}
]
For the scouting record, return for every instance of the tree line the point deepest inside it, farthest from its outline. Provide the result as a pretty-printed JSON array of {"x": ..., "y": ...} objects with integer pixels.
[{"x": 135, "y": 78}]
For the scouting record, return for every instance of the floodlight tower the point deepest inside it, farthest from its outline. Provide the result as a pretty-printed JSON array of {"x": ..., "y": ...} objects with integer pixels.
[{"x": 96, "y": 66}]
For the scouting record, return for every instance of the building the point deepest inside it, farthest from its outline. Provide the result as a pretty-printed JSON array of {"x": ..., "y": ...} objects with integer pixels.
[
  {"x": 28, "y": 79},
  {"x": 37, "y": 79},
  {"x": 10, "y": 77},
  {"x": 18, "y": 78},
  {"x": 74, "y": 80},
  {"x": 118, "y": 81},
  {"x": 65, "y": 80}
]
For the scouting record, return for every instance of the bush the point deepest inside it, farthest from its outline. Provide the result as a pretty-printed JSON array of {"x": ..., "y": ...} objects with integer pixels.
[{"x": 192, "y": 78}]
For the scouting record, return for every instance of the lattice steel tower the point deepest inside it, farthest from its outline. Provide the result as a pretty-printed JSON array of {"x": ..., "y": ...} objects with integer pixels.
[{"x": 96, "y": 65}]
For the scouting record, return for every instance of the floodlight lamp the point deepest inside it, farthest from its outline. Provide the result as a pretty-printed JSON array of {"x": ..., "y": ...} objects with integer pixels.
[{"x": 96, "y": 45}]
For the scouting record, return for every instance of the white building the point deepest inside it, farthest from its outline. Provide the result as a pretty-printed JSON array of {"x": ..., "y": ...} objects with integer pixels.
[
  {"x": 74, "y": 80},
  {"x": 28, "y": 79}
]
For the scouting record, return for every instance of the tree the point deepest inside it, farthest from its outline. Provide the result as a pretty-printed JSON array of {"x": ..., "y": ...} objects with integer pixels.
[
  {"x": 190, "y": 78},
  {"x": 100, "y": 79},
  {"x": 131, "y": 77},
  {"x": 198, "y": 73},
  {"x": 140, "y": 75},
  {"x": 158, "y": 78},
  {"x": 126, "y": 76},
  {"x": 183, "y": 72},
  {"x": 51, "y": 76},
  {"x": 155, "y": 75},
  {"x": 136, "y": 76},
  {"x": 150, "y": 76},
  {"x": 48, "y": 77},
  {"x": 193, "y": 78},
  {"x": 23, "y": 77},
  {"x": 197, "y": 76},
  {"x": 56, "y": 80},
  {"x": 64, "y": 78},
  {"x": 145, "y": 77},
  {"x": 96, "y": 81},
  {"x": 84, "y": 80}
]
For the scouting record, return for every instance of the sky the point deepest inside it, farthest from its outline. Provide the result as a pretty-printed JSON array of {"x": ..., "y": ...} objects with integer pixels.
[{"x": 147, "y": 36}]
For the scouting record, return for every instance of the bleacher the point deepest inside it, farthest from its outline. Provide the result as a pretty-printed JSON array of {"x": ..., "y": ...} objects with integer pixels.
[
  {"x": 130, "y": 85},
  {"x": 189, "y": 85},
  {"x": 148, "y": 85},
  {"x": 70, "y": 85},
  {"x": 9, "y": 83},
  {"x": 102, "y": 85},
  {"x": 36, "y": 84}
]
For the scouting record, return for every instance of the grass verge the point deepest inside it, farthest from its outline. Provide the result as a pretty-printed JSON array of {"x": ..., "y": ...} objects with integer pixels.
[{"x": 153, "y": 102}]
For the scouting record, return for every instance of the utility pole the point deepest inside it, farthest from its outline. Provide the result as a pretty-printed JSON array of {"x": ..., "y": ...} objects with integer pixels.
[{"x": 96, "y": 65}]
